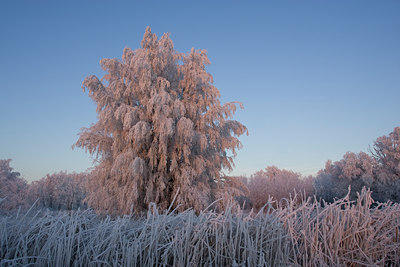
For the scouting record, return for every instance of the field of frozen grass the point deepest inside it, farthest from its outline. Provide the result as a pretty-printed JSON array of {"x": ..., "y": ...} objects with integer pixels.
[{"x": 307, "y": 234}]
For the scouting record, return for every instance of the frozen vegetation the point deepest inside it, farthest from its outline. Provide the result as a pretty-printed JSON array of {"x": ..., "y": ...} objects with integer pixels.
[
  {"x": 342, "y": 233},
  {"x": 161, "y": 128},
  {"x": 161, "y": 142}
]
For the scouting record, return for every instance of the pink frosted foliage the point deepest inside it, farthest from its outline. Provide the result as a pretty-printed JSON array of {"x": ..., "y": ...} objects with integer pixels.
[
  {"x": 59, "y": 191},
  {"x": 12, "y": 187},
  {"x": 380, "y": 172},
  {"x": 386, "y": 151},
  {"x": 277, "y": 184},
  {"x": 355, "y": 170},
  {"x": 162, "y": 130}
]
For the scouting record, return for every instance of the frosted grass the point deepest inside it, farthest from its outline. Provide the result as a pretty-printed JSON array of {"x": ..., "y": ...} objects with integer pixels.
[
  {"x": 339, "y": 234},
  {"x": 159, "y": 239},
  {"x": 344, "y": 233}
]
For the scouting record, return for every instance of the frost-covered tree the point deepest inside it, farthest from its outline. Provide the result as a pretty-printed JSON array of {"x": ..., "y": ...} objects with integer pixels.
[
  {"x": 355, "y": 170},
  {"x": 386, "y": 151},
  {"x": 381, "y": 172},
  {"x": 161, "y": 130},
  {"x": 59, "y": 190},
  {"x": 234, "y": 188},
  {"x": 12, "y": 187}
]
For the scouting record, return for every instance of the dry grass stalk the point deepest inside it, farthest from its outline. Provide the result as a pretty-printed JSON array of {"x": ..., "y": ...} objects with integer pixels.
[{"x": 307, "y": 234}]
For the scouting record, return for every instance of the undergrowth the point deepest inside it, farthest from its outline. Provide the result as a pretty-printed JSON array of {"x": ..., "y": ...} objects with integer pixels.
[{"x": 343, "y": 233}]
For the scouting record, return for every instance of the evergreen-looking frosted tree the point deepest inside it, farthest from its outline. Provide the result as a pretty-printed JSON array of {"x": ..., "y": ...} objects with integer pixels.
[{"x": 161, "y": 130}]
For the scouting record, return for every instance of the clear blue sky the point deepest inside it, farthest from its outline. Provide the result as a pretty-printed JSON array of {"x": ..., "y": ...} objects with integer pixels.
[{"x": 317, "y": 78}]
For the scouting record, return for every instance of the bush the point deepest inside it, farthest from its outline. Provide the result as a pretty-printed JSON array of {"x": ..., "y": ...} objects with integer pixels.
[{"x": 277, "y": 184}]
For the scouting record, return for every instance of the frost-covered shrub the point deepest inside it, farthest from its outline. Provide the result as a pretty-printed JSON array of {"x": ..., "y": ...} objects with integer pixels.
[{"x": 277, "y": 184}]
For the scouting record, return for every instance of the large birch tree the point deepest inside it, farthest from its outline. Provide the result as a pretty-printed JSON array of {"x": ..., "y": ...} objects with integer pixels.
[{"x": 161, "y": 131}]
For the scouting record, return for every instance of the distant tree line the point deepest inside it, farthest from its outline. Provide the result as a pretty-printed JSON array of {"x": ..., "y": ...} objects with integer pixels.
[
  {"x": 379, "y": 170},
  {"x": 57, "y": 191}
]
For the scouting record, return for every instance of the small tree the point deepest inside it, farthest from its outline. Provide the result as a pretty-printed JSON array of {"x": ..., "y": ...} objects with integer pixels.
[
  {"x": 386, "y": 151},
  {"x": 161, "y": 130},
  {"x": 12, "y": 187}
]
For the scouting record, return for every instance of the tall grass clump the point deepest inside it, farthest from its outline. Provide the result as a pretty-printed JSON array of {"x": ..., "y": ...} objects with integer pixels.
[
  {"x": 343, "y": 233},
  {"x": 82, "y": 238}
]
